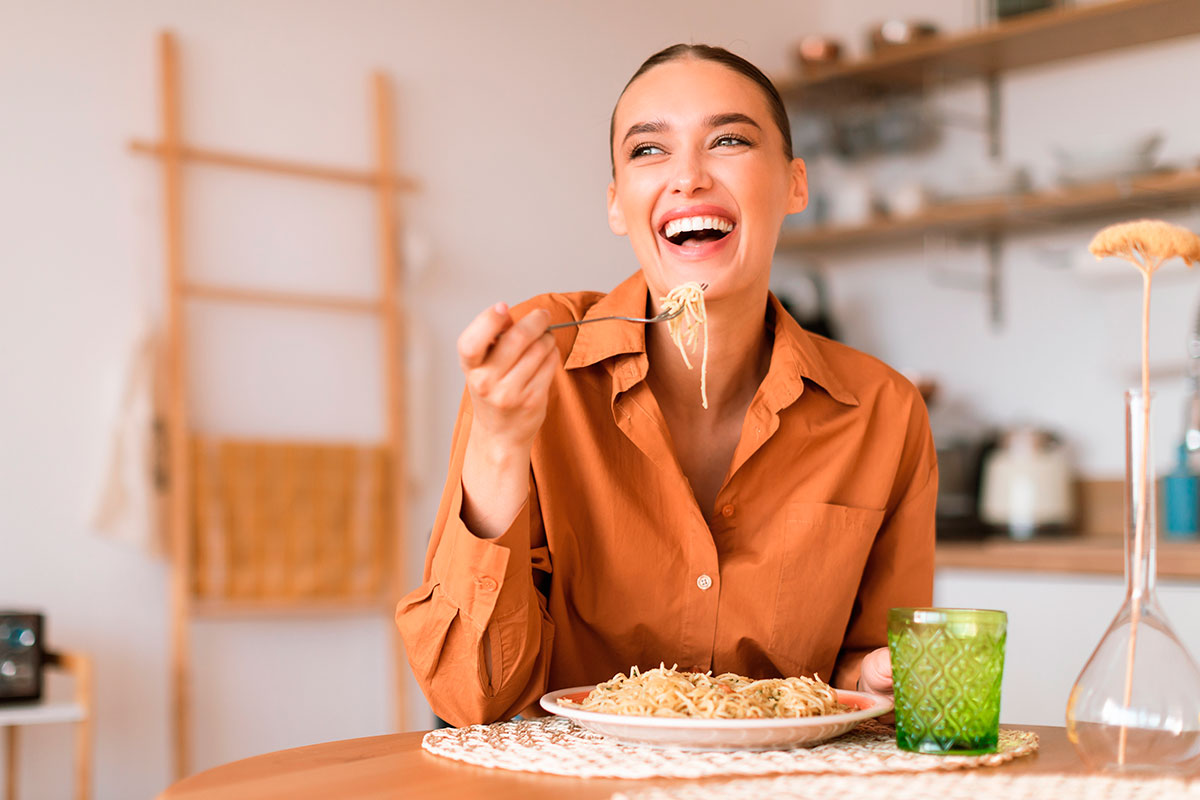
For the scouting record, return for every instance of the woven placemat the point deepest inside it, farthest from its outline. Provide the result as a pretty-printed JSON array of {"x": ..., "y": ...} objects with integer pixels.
[
  {"x": 558, "y": 746},
  {"x": 944, "y": 786}
]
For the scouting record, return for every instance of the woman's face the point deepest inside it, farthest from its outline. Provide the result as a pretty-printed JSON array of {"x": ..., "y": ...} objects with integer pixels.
[{"x": 701, "y": 183}]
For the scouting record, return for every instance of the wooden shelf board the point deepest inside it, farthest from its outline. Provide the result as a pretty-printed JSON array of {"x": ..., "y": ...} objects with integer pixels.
[
  {"x": 1003, "y": 214},
  {"x": 219, "y": 158},
  {"x": 1024, "y": 41},
  {"x": 299, "y": 607},
  {"x": 323, "y": 302},
  {"x": 1087, "y": 556}
]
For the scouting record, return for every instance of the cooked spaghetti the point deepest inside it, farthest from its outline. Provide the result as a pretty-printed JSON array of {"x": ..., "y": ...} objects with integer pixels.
[
  {"x": 663, "y": 692},
  {"x": 683, "y": 327}
]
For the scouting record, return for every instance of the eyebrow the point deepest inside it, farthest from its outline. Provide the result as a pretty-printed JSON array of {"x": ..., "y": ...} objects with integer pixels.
[
  {"x": 656, "y": 126},
  {"x": 711, "y": 121},
  {"x": 731, "y": 118}
]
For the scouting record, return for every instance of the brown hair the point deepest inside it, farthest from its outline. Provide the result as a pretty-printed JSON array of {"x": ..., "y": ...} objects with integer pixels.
[{"x": 704, "y": 52}]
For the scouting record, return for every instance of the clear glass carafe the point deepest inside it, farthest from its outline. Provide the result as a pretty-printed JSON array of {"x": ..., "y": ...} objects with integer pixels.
[{"x": 1135, "y": 707}]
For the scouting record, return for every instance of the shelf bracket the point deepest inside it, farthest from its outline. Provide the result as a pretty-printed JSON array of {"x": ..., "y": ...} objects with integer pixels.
[
  {"x": 988, "y": 284},
  {"x": 995, "y": 252},
  {"x": 995, "y": 111}
]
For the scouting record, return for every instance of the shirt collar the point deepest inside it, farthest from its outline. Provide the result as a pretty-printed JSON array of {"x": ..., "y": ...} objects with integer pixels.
[
  {"x": 794, "y": 355},
  {"x": 595, "y": 343}
]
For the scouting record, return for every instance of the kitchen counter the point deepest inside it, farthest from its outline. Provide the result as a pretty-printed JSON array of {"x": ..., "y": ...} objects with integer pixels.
[{"x": 1088, "y": 555}]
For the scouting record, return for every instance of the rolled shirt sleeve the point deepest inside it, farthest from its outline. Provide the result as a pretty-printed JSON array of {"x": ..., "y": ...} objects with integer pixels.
[{"x": 476, "y": 630}]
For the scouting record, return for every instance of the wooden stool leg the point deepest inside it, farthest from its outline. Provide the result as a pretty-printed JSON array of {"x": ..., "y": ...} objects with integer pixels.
[
  {"x": 82, "y": 667},
  {"x": 10, "y": 764},
  {"x": 83, "y": 759}
]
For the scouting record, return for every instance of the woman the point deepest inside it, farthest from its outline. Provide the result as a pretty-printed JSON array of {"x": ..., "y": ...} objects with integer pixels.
[{"x": 597, "y": 516}]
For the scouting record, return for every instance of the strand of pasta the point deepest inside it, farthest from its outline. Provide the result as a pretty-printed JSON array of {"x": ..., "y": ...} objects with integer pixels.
[
  {"x": 663, "y": 692},
  {"x": 683, "y": 327}
]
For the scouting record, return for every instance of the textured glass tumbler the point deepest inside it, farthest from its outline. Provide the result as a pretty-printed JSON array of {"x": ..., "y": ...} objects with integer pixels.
[{"x": 946, "y": 668}]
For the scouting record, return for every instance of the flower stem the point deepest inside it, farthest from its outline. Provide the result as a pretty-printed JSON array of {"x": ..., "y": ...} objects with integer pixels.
[{"x": 1135, "y": 567}]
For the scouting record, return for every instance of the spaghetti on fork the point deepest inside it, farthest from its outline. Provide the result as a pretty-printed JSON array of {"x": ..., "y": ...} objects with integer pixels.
[{"x": 683, "y": 328}]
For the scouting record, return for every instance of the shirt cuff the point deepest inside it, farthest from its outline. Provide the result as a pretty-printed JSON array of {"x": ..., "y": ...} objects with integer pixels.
[
  {"x": 473, "y": 571},
  {"x": 848, "y": 670}
]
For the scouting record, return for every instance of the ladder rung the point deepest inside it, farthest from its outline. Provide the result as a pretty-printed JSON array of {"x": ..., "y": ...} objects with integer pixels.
[
  {"x": 297, "y": 300},
  {"x": 339, "y": 174}
]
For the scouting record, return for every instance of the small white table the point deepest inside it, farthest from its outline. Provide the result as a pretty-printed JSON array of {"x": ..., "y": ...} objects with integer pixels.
[{"x": 79, "y": 712}]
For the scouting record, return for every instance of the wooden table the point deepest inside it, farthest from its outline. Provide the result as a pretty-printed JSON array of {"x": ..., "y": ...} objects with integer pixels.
[{"x": 395, "y": 766}]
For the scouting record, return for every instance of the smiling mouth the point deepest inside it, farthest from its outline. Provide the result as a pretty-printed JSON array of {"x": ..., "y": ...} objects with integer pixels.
[{"x": 695, "y": 231}]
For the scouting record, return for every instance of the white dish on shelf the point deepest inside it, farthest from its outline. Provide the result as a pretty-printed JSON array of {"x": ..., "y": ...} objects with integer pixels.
[
  {"x": 719, "y": 734},
  {"x": 1084, "y": 163},
  {"x": 989, "y": 180}
]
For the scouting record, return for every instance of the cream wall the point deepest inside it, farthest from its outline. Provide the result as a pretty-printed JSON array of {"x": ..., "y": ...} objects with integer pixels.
[{"x": 502, "y": 115}]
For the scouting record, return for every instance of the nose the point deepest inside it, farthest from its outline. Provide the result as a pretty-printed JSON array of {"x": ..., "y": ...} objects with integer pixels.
[{"x": 691, "y": 174}]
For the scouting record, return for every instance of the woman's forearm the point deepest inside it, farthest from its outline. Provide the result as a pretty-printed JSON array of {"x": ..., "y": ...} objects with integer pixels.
[
  {"x": 495, "y": 484},
  {"x": 508, "y": 367}
]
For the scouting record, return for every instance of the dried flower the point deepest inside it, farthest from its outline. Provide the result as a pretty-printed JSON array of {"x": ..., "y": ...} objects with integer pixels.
[{"x": 1146, "y": 243}]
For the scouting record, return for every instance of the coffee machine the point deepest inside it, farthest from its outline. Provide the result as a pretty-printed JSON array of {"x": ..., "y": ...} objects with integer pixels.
[{"x": 963, "y": 442}]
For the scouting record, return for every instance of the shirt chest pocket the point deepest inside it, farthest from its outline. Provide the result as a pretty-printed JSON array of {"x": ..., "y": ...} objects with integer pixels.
[{"x": 823, "y": 554}]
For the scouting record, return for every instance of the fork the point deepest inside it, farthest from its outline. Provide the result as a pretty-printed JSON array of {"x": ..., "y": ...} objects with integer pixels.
[{"x": 663, "y": 317}]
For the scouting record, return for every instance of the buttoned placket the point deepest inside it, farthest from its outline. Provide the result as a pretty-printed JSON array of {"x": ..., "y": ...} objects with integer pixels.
[{"x": 637, "y": 415}]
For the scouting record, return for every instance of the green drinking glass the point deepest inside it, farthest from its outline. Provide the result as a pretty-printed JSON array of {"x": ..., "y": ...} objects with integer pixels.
[{"x": 946, "y": 669}]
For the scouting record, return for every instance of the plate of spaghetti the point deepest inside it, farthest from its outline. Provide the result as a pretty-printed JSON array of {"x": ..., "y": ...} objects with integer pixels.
[{"x": 697, "y": 710}]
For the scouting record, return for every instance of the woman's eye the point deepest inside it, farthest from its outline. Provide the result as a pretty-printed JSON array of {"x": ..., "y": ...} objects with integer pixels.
[
  {"x": 730, "y": 140},
  {"x": 645, "y": 150}
]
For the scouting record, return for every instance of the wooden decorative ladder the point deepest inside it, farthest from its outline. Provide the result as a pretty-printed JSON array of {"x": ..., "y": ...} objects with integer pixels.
[{"x": 261, "y": 525}]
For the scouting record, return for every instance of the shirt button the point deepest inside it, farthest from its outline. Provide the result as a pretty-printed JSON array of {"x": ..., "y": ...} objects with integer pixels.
[
  {"x": 704, "y": 582},
  {"x": 727, "y": 511},
  {"x": 487, "y": 584}
]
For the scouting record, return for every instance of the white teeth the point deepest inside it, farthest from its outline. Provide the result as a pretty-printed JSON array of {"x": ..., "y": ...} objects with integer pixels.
[{"x": 682, "y": 224}]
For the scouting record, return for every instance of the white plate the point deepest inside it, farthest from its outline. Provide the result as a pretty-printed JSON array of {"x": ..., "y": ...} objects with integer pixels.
[{"x": 719, "y": 734}]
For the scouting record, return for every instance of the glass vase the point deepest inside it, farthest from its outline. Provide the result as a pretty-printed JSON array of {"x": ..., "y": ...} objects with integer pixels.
[{"x": 1135, "y": 707}]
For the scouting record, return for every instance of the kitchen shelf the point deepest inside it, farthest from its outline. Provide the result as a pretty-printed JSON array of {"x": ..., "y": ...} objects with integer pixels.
[
  {"x": 1085, "y": 555},
  {"x": 1024, "y": 41},
  {"x": 1008, "y": 213},
  {"x": 984, "y": 54}
]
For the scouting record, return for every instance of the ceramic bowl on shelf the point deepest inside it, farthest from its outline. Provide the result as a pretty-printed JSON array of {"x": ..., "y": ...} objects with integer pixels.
[
  {"x": 899, "y": 32},
  {"x": 816, "y": 52},
  {"x": 852, "y": 203},
  {"x": 981, "y": 181},
  {"x": 906, "y": 199},
  {"x": 1088, "y": 163}
]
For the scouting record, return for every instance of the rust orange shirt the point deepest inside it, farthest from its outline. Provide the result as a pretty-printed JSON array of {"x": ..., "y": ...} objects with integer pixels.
[{"x": 824, "y": 522}]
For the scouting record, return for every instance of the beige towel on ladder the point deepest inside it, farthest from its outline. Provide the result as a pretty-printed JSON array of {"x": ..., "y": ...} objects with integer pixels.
[{"x": 127, "y": 507}]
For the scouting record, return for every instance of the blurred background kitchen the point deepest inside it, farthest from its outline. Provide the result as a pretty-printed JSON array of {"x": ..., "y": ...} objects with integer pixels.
[{"x": 953, "y": 198}]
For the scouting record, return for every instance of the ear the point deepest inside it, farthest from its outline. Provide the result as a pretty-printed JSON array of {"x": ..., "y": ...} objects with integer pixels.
[
  {"x": 616, "y": 217},
  {"x": 798, "y": 192}
]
